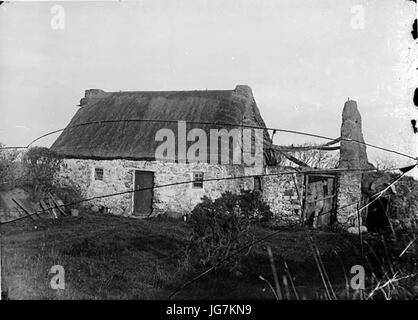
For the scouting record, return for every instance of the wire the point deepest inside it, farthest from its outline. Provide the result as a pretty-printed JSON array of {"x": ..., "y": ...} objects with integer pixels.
[
  {"x": 380, "y": 193},
  {"x": 218, "y": 124},
  {"x": 224, "y": 178},
  {"x": 289, "y": 171},
  {"x": 258, "y": 241}
]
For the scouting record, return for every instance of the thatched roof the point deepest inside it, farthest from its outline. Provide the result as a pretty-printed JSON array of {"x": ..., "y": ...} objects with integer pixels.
[{"x": 132, "y": 139}]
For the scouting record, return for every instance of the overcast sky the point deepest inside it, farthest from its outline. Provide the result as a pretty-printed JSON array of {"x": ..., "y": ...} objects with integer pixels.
[{"x": 302, "y": 59}]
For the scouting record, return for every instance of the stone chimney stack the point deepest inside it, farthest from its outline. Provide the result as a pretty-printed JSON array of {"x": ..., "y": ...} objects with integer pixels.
[
  {"x": 353, "y": 155},
  {"x": 90, "y": 94}
]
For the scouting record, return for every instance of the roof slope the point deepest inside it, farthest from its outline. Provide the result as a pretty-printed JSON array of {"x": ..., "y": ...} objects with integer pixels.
[{"x": 135, "y": 139}]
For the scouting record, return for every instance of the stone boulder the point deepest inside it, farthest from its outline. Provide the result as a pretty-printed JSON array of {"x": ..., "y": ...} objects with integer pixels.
[
  {"x": 355, "y": 230},
  {"x": 373, "y": 182}
]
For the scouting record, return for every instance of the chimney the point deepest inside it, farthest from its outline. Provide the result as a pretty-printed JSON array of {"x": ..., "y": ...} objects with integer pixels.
[
  {"x": 244, "y": 90},
  {"x": 90, "y": 93},
  {"x": 352, "y": 156}
]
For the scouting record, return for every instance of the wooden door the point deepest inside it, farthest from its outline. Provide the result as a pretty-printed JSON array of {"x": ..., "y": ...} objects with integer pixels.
[
  {"x": 143, "y": 198},
  {"x": 320, "y": 200}
]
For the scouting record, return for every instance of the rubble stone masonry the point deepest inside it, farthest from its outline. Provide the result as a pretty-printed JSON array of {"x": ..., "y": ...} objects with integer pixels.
[
  {"x": 353, "y": 155},
  {"x": 118, "y": 175}
]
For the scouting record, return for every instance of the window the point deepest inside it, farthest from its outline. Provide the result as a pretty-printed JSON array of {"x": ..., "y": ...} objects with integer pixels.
[
  {"x": 98, "y": 173},
  {"x": 325, "y": 189},
  {"x": 257, "y": 184},
  {"x": 198, "y": 180}
]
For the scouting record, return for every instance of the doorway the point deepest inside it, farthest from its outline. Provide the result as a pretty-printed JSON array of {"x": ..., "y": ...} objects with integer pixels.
[
  {"x": 319, "y": 204},
  {"x": 143, "y": 198}
]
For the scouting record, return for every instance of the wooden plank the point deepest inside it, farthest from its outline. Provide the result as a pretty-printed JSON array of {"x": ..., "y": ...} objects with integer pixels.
[
  {"x": 297, "y": 190},
  {"x": 56, "y": 204},
  {"x": 52, "y": 207},
  {"x": 325, "y": 146},
  {"x": 321, "y": 199},
  {"x": 304, "y": 195},
  {"x": 26, "y": 211},
  {"x": 333, "y": 217},
  {"x": 293, "y": 159},
  {"x": 46, "y": 208},
  {"x": 290, "y": 149},
  {"x": 321, "y": 175},
  {"x": 61, "y": 205}
]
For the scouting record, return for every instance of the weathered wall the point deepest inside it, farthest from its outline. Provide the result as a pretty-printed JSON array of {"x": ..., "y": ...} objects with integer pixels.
[
  {"x": 118, "y": 177},
  {"x": 349, "y": 198},
  {"x": 353, "y": 155},
  {"x": 278, "y": 191},
  {"x": 281, "y": 194}
]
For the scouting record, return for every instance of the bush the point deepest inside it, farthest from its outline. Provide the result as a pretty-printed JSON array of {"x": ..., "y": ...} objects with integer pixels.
[
  {"x": 223, "y": 226},
  {"x": 41, "y": 165},
  {"x": 10, "y": 168},
  {"x": 404, "y": 204}
]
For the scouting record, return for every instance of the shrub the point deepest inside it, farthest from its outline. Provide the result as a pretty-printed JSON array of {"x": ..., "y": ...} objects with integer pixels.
[
  {"x": 404, "y": 204},
  {"x": 41, "y": 165},
  {"x": 252, "y": 203},
  {"x": 10, "y": 168},
  {"x": 221, "y": 227}
]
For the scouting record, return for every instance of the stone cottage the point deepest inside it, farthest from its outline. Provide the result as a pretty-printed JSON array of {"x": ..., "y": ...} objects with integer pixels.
[{"x": 109, "y": 148}]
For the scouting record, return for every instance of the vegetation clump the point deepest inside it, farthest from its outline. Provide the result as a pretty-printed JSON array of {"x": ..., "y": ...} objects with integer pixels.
[{"x": 221, "y": 227}]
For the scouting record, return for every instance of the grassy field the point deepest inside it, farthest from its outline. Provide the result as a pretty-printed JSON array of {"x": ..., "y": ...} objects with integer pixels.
[{"x": 108, "y": 257}]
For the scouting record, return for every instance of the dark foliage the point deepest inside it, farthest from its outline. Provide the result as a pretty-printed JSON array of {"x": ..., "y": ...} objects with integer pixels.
[
  {"x": 223, "y": 226},
  {"x": 70, "y": 195},
  {"x": 41, "y": 165}
]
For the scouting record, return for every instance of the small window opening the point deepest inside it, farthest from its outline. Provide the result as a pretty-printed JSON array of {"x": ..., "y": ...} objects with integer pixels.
[
  {"x": 198, "y": 180},
  {"x": 98, "y": 173},
  {"x": 257, "y": 184}
]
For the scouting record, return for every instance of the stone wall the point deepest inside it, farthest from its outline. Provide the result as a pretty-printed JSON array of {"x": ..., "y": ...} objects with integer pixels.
[
  {"x": 349, "y": 197},
  {"x": 174, "y": 200},
  {"x": 278, "y": 191}
]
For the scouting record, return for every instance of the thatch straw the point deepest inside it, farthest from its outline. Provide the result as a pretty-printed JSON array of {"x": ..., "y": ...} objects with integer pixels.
[{"x": 135, "y": 139}]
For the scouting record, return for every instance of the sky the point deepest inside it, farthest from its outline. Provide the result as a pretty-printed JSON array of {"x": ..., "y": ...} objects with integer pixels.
[{"x": 302, "y": 59}]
